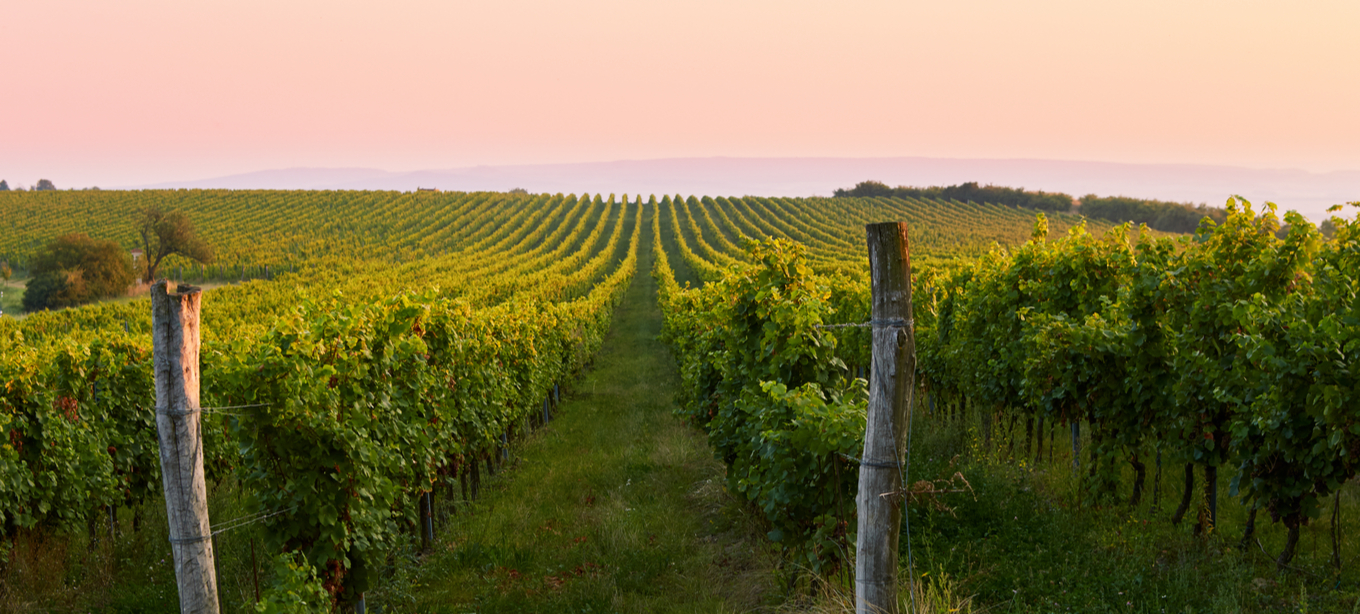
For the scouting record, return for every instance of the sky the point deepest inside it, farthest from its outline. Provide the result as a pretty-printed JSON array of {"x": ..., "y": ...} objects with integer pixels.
[{"x": 143, "y": 91}]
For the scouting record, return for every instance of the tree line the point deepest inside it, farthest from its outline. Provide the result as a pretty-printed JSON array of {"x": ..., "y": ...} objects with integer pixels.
[
  {"x": 966, "y": 192},
  {"x": 42, "y": 185},
  {"x": 1161, "y": 215}
]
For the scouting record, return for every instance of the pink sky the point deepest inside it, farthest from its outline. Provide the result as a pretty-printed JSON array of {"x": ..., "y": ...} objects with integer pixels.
[{"x": 130, "y": 92}]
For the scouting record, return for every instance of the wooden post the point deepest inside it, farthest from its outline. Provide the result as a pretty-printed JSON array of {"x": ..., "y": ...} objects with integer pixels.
[
  {"x": 1157, "y": 484},
  {"x": 892, "y": 380},
  {"x": 1076, "y": 448},
  {"x": 426, "y": 523},
  {"x": 175, "y": 334},
  {"x": 255, "y": 570},
  {"x": 476, "y": 478}
]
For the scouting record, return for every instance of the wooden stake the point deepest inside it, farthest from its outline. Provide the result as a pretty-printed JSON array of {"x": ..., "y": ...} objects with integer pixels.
[
  {"x": 476, "y": 477},
  {"x": 1076, "y": 448},
  {"x": 175, "y": 336},
  {"x": 426, "y": 523},
  {"x": 1157, "y": 484},
  {"x": 1336, "y": 532},
  {"x": 255, "y": 570},
  {"x": 892, "y": 380}
]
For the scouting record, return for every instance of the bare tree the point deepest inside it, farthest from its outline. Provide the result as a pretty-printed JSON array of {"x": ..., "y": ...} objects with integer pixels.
[{"x": 169, "y": 232}]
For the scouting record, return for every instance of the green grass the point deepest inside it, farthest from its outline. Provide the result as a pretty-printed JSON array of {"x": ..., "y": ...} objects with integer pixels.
[
  {"x": 614, "y": 507},
  {"x": 12, "y": 301},
  {"x": 1023, "y": 545},
  {"x": 64, "y": 570}
]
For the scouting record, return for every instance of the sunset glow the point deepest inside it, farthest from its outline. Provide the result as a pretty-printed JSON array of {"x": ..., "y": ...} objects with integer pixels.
[{"x": 137, "y": 92}]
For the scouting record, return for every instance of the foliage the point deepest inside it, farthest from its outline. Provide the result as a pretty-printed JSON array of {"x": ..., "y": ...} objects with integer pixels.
[
  {"x": 165, "y": 232},
  {"x": 1157, "y": 214},
  {"x": 1231, "y": 348},
  {"x": 796, "y": 470},
  {"x": 1298, "y": 424},
  {"x": 76, "y": 269},
  {"x": 427, "y": 383},
  {"x": 48, "y": 291},
  {"x": 44, "y": 184},
  {"x": 767, "y": 387},
  {"x": 966, "y": 192},
  {"x": 295, "y": 590}
]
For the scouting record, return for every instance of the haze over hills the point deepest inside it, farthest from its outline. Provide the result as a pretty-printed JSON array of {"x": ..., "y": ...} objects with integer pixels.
[{"x": 1309, "y": 193}]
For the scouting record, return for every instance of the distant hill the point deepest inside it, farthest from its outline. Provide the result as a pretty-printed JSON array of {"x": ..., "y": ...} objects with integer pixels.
[{"x": 1309, "y": 193}]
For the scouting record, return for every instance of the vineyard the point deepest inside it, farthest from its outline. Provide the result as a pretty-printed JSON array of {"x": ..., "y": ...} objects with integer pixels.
[
  {"x": 346, "y": 391},
  {"x": 1233, "y": 348},
  {"x": 372, "y": 354}
]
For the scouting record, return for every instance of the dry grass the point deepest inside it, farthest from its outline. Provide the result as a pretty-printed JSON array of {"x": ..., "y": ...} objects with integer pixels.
[{"x": 930, "y": 594}]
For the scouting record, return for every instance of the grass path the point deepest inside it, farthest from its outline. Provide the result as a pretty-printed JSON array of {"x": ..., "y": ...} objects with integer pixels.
[
  {"x": 11, "y": 304},
  {"x": 615, "y": 507}
]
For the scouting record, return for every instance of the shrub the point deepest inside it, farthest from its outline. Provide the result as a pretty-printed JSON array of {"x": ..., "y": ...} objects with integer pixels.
[{"x": 75, "y": 269}]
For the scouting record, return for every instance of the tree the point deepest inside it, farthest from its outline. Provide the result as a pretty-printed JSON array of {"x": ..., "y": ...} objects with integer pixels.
[
  {"x": 4, "y": 185},
  {"x": 44, "y": 184},
  {"x": 168, "y": 232},
  {"x": 75, "y": 269},
  {"x": 1157, "y": 214},
  {"x": 865, "y": 189},
  {"x": 966, "y": 192}
]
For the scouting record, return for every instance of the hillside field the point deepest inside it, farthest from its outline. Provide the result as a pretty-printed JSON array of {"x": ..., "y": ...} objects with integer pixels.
[{"x": 1124, "y": 420}]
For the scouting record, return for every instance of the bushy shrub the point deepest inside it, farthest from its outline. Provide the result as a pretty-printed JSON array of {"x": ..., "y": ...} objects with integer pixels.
[{"x": 75, "y": 269}]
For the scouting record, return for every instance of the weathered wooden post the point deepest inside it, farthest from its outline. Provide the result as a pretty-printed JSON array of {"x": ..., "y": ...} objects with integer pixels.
[
  {"x": 175, "y": 335},
  {"x": 892, "y": 380}
]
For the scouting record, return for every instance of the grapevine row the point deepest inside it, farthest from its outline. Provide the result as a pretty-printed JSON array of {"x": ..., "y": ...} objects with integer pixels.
[{"x": 1231, "y": 348}]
